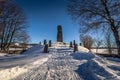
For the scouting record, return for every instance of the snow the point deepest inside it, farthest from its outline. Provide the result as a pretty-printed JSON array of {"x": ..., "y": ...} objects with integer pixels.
[
  {"x": 82, "y": 49},
  {"x": 96, "y": 68},
  {"x": 13, "y": 66},
  {"x": 104, "y": 51},
  {"x": 61, "y": 63},
  {"x": 11, "y": 73},
  {"x": 2, "y": 54}
]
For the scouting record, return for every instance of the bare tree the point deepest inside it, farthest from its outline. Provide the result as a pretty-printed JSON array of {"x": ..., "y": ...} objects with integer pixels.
[
  {"x": 94, "y": 14},
  {"x": 23, "y": 38},
  {"x": 110, "y": 41},
  {"x": 12, "y": 21},
  {"x": 87, "y": 41},
  {"x": 0, "y": 33},
  {"x": 98, "y": 43}
]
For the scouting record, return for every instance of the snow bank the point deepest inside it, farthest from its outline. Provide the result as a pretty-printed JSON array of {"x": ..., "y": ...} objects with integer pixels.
[
  {"x": 104, "y": 51},
  {"x": 82, "y": 49},
  {"x": 33, "y": 49},
  {"x": 2, "y": 54},
  {"x": 39, "y": 62},
  {"x": 11, "y": 73},
  {"x": 91, "y": 70},
  {"x": 96, "y": 68},
  {"x": 21, "y": 64},
  {"x": 114, "y": 59},
  {"x": 83, "y": 56},
  {"x": 58, "y": 45},
  {"x": 61, "y": 45}
]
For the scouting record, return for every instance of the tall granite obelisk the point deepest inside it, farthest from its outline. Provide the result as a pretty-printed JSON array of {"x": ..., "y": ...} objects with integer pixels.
[{"x": 59, "y": 34}]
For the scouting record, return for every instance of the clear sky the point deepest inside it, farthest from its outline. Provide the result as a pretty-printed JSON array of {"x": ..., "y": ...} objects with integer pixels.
[{"x": 43, "y": 18}]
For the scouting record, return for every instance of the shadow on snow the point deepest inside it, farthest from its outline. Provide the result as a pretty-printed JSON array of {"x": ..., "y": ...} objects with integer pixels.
[{"x": 90, "y": 70}]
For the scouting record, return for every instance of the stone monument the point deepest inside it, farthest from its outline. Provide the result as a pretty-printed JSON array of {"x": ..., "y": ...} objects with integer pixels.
[{"x": 59, "y": 34}]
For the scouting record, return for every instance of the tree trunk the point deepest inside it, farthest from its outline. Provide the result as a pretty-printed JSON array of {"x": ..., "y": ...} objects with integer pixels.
[
  {"x": 117, "y": 39},
  {"x": 2, "y": 40},
  {"x": 11, "y": 37},
  {"x": 118, "y": 43},
  {"x": 97, "y": 50}
]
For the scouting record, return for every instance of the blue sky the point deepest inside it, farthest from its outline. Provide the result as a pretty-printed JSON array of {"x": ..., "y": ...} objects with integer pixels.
[{"x": 43, "y": 18}]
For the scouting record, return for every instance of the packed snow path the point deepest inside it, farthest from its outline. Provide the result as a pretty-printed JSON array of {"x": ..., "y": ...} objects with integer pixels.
[{"x": 60, "y": 66}]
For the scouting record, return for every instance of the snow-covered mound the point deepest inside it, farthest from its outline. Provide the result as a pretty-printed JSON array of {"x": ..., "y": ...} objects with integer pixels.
[
  {"x": 61, "y": 45},
  {"x": 2, "y": 54},
  {"x": 32, "y": 49},
  {"x": 13, "y": 66},
  {"x": 82, "y": 49},
  {"x": 8, "y": 74},
  {"x": 97, "y": 68},
  {"x": 58, "y": 45},
  {"x": 83, "y": 56}
]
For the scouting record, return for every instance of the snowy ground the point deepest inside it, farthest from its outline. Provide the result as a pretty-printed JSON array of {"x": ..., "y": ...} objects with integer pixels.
[
  {"x": 2, "y": 54},
  {"x": 104, "y": 51},
  {"x": 59, "y": 64}
]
